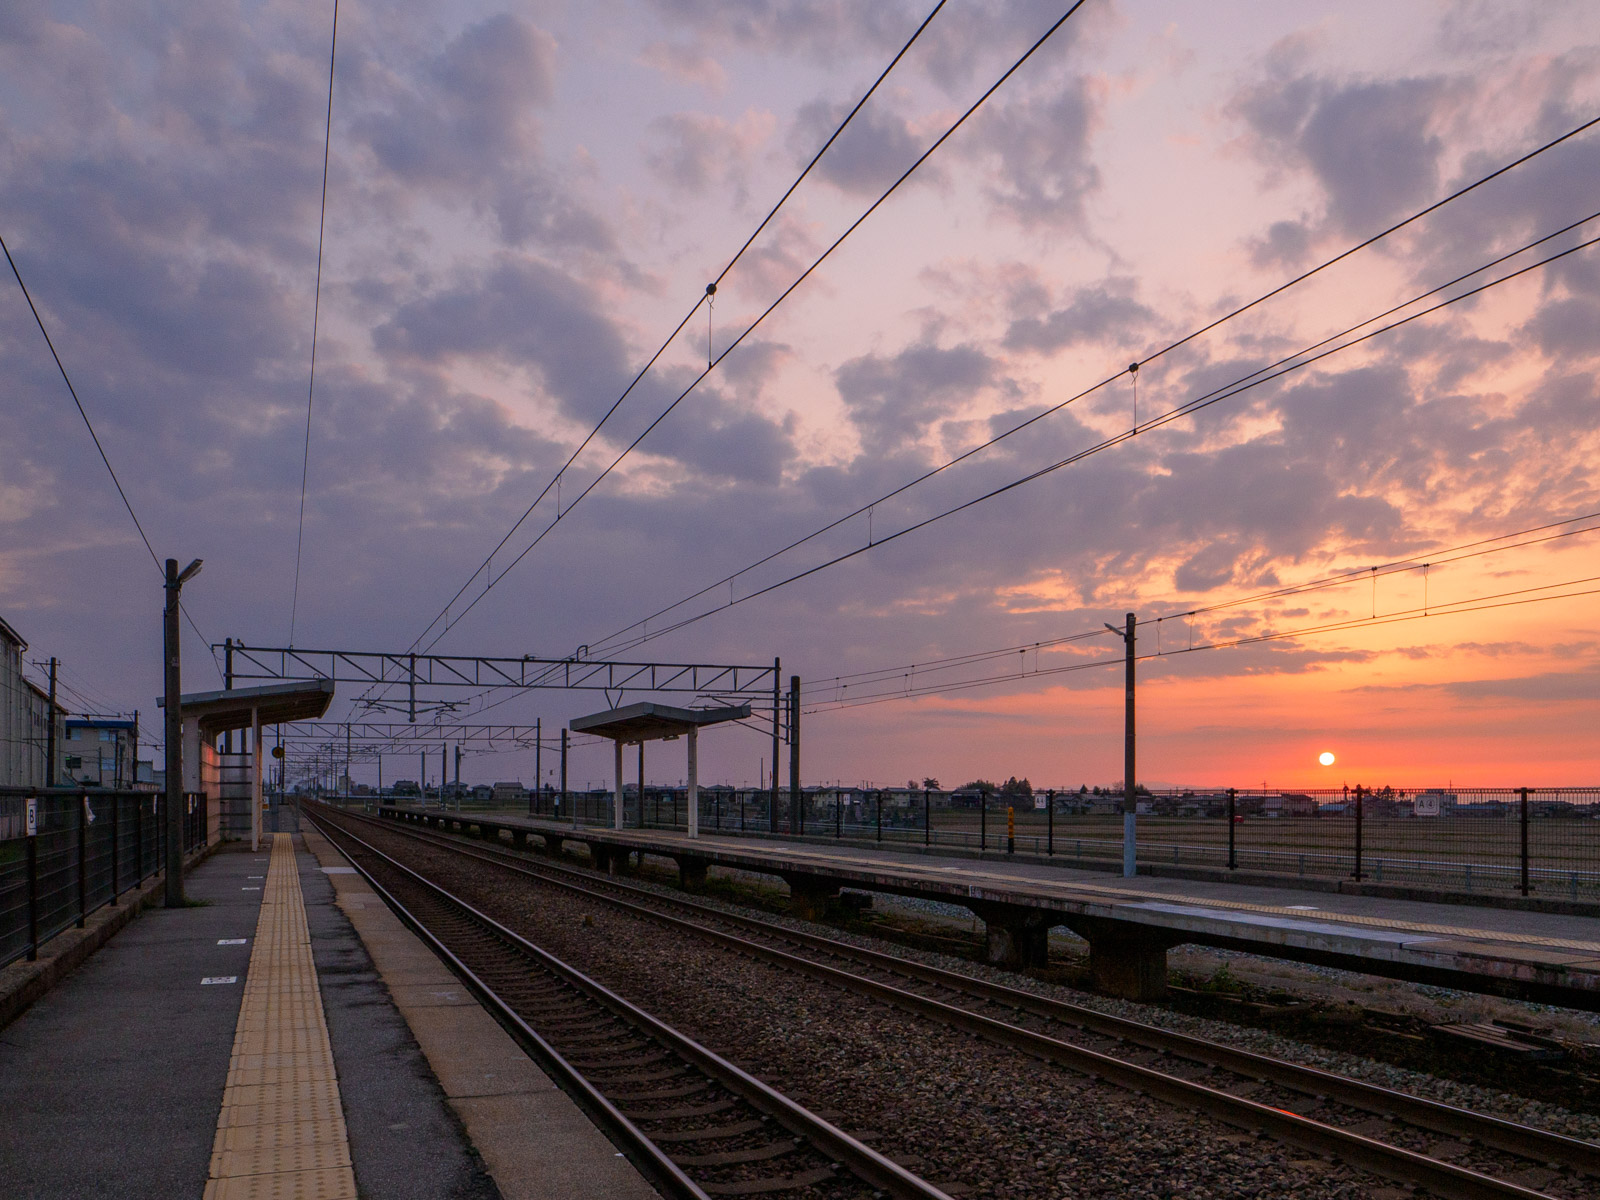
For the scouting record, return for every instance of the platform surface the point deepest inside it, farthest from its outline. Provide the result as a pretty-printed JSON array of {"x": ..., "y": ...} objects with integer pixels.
[
  {"x": 1541, "y": 955},
  {"x": 113, "y": 1083}
]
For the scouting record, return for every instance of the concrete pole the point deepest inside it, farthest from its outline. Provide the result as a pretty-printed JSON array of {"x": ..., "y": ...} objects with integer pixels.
[
  {"x": 797, "y": 819},
  {"x": 227, "y": 685},
  {"x": 616, "y": 820},
  {"x": 255, "y": 779},
  {"x": 694, "y": 781},
  {"x": 50, "y": 733},
  {"x": 174, "y": 737},
  {"x": 1130, "y": 804},
  {"x": 564, "y": 799},
  {"x": 641, "y": 787},
  {"x": 777, "y": 718},
  {"x": 538, "y": 765}
]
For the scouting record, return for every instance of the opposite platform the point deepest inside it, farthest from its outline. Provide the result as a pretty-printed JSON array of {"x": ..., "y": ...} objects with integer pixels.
[{"x": 1131, "y": 923}]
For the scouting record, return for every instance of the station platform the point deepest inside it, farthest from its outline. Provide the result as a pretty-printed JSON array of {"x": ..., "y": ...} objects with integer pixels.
[
  {"x": 1131, "y": 923},
  {"x": 285, "y": 1036}
]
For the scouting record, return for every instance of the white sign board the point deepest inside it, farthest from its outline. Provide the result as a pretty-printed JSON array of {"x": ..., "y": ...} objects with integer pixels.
[
  {"x": 33, "y": 816},
  {"x": 1427, "y": 806}
]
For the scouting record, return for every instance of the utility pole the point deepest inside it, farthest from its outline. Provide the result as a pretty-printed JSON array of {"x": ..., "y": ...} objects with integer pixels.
[
  {"x": 797, "y": 818},
  {"x": 227, "y": 684},
  {"x": 574, "y": 807},
  {"x": 50, "y": 733},
  {"x": 174, "y": 728},
  {"x": 777, "y": 706},
  {"x": 1130, "y": 804},
  {"x": 538, "y": 765}
]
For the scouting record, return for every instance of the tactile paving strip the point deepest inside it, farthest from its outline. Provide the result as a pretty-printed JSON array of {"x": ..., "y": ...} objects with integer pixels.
[{"x": 281, "y": 1132}]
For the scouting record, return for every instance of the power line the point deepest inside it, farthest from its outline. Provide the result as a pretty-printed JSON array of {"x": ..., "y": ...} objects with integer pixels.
[
  {"x": 316, "y": 315},
  {"x": 753, "y": 325},
  {"x": 1237, "y": 387},
  {"x": 93, "y": 436},
  {"x": 1440, "y": 557},
  {"x": 1515, "y": 598},
  {"x": 603, "y": 644},
  {"x": 483, "y": 567}
]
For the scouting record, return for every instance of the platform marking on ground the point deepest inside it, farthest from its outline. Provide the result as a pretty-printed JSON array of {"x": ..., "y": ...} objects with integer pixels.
[{"x": 281, "y": 1131}]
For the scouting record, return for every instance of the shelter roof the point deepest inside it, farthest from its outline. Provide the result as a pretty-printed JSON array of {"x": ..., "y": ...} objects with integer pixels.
[
  {"x": 648, "y": 721},
  {"x": 277, "y": 703}
]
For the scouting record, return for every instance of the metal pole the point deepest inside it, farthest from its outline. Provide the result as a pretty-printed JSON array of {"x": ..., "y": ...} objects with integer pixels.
[
  {"x": 1011, "y": 829},
  {"x": 565, "y": 802},
  {"x": 694, "y": 781},
  {"x": 422, "y": 778},
  {"x": 1524, "y": 841},
  {"x": 880, "y": 815},
  {"x": 927, "y": 827},
  {"x": 33, "y": 898},
  {"x": 227, "y": 684},
  {"x": 1049, "y": 823},
  {"x": 1357, "y": 875},
  {"x": 538, "y": 765},
  {"x": 1233, "y": 862},
  {"x": 83, "y": 862},
  {"x": 50, "y": 733},
  {"x": 838, "y": 812},
  {"x": 983, "y": 820},
  {"x": 258, "y": 768},
  {"x": 138, "y": 841},
  {"x": 772, "y": 815},
  {"x": 797, "y": 816},
  {"x": 641, "y": 791},
  {"x": 1130, "y": 804},
  {"x": 174, "y": 755},
  {"x": 116, "y": 843}
]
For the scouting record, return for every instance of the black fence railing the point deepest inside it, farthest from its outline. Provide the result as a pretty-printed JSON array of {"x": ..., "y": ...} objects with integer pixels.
[{"x": 88, "y": 847}]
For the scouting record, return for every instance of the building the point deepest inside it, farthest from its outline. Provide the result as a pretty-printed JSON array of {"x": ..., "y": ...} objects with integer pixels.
[
  {"x": 24, "y": 719},
  {"x": 100, "y": 751}
]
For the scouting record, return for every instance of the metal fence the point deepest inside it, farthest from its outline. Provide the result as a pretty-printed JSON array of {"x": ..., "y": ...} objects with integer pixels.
[{"x": 89, "y": 846}]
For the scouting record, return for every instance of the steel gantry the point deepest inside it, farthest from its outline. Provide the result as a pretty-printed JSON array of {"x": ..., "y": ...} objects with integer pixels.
[{"x": 426, "y": 672}]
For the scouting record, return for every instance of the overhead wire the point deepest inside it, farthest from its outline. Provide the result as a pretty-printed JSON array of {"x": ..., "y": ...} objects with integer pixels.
[
  {"x": 1238, "y": 386},
  {"x": 95, "y": 437},
  {"x": 1443, "y": 556},
  {"x": 768, "y": 311},
  {"x": 1509, "y": 599},
  {"x": 601, "y": 645},
  {"x": 482, "y": 568},
  {"x": 316, "y": 316}
]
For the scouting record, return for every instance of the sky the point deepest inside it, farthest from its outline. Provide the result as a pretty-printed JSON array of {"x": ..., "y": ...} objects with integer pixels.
[{"x": 523, "y": 201}]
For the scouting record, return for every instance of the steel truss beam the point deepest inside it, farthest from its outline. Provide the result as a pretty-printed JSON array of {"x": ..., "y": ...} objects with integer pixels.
[{"x": 412, "y": 671}]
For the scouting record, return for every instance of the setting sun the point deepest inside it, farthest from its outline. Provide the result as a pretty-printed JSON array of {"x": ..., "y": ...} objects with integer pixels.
[{"x": 1326, "y": 758}]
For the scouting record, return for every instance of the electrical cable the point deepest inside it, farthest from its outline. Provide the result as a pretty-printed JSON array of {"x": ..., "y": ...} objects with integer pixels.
[
  {"x": 710, "y": 291},
  {"x": 603, "y": 645},
  {"x": 751, "y": 328},
  {"x": 316, "y": 315},
  {"x": 1497, "y": 600},
  {"x": 1443, "y": 556},
  {"x": 1228, "y": 391}
]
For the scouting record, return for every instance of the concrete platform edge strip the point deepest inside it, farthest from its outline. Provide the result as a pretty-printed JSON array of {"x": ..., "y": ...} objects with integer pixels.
[
  {"x": 281, "y": 1130},
  {"x": 22, "y": 983}
]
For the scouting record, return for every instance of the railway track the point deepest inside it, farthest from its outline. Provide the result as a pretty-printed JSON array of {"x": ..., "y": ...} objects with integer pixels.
[
  {"x": 697, "y": 1125},
  {"x": 1216, "y": 1079}
]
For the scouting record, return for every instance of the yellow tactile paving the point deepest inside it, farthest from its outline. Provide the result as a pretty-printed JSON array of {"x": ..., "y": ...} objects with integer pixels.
[{"x": 281, "y": 1133}]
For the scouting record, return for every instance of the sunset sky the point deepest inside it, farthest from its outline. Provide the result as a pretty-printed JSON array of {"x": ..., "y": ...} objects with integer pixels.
[{"x": 523, "y": 201}]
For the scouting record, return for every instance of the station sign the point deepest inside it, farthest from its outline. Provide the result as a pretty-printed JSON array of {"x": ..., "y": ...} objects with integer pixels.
[{"x": 33, "y": 816}]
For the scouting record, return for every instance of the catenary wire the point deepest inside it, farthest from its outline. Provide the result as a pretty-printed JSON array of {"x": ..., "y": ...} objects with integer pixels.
[
  {"x": 1520, "y": 596},
  {"x": 483, "y": 567},
  {"x": 316, "y": 315},
  {"x": 1443, "y": 556},
  {"x": 753, "y": 325},
  {"x": 1228, "y": 391},
  {"x": 604, "y": 645},
  {"x": 95, "y": 437}
]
